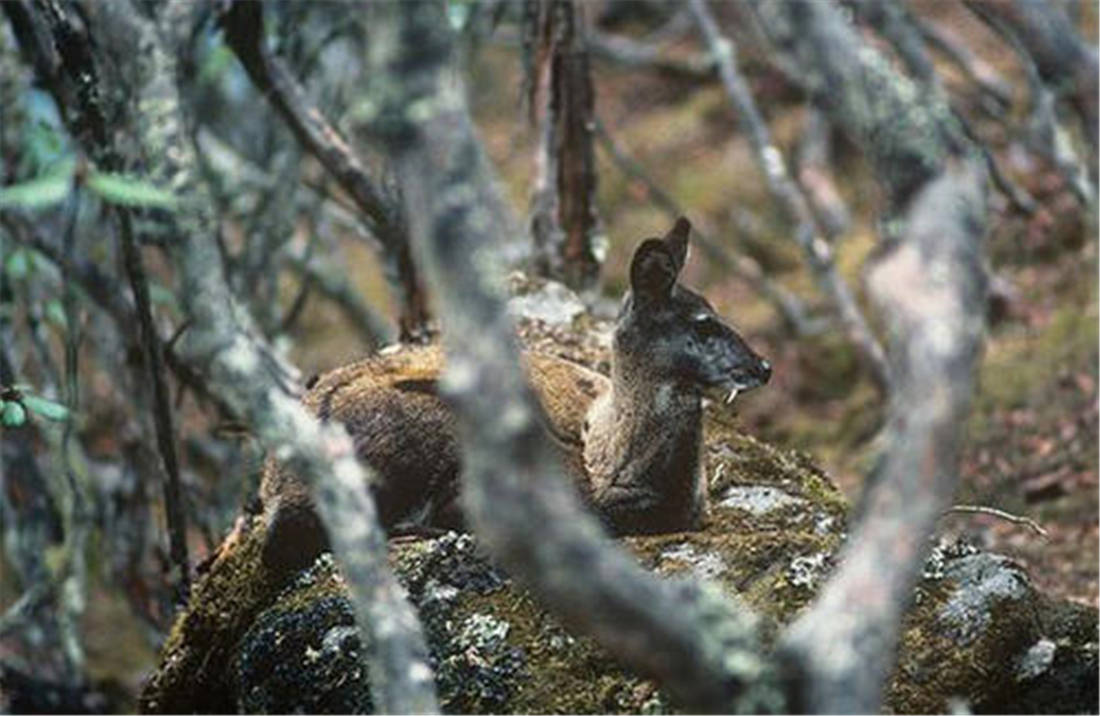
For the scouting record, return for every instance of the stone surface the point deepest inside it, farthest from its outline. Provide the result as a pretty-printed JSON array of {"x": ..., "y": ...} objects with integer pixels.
[{"x": 977, "y": 633}]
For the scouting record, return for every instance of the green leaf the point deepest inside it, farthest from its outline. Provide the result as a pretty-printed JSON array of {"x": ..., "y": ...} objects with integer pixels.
[
  {"x": 42, "y": 191},
  {"x": 162, "y": 296},
  {"x": 55, "y": 313},
  {"x": 17, "y": 265},
  {"x": 130, "y": 191},
  {"x": 12, "y": 415},
  {"x": 458, "y": 13},
  {"x": 46, "y": 408},
  {"x": 214, "y": 66}
]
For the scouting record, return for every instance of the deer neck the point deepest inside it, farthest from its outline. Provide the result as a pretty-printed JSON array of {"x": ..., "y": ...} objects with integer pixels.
[{"x": 644, "y": 434}]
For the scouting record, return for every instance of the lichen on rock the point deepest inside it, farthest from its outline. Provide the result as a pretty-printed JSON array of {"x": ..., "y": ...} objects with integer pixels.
[{"x": 977, "y": 633}]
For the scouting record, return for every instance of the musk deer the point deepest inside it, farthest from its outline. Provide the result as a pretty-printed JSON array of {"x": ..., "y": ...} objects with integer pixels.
[{"x": 632, "y": 442}]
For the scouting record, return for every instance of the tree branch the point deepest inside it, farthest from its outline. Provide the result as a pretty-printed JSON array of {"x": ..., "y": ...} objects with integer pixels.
[
  {"x": 334, "y": 285},
  {"x": 77, "y": 69},
  {"x": 1027, "y": 27},
  {"x": 221, "y": 341},
  {"x": 843, "y": 648},
  {"x": 1065, "y": 62},
  {"x": 244, "y": 33},
  {"x": 1001, "y": 514},
  {"x": 980, "y": 72},
  {"x": 896, "y": 25},
  {"x": 786, "y": 192},
  {"x": 930, "y": 286},
  {"x": 701, "y": 648},
  {"x": 633, "y": 54}
]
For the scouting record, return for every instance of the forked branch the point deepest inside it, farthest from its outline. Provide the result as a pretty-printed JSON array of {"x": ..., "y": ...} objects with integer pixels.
[
  {"x": 702, "y": 648},
  {"x": 243, "y": 23},
  {"x": 787, "y": 192}
]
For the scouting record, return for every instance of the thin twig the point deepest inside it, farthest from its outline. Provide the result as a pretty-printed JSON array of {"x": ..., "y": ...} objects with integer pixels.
[
  {"x": 632, "y": 54},
  {"x": 1056, "y": 69},
  {"x": 993, "y": 511},
  {"x": 745, "y": 268},
  {"x": 980, "y": 72},
  {"x": 110, "y": 296},
  {"x": 331, "y": 283},
  {"x": 162, "y": 408},
  {"x": 244, "y": 33},
  {"x": 77, "y": 515},
  {"x": 807, "y": 234}
]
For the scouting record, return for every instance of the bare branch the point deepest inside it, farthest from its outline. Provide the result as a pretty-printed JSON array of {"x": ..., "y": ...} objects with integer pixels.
[
  {"x": 815, "y": 175},
  {"x": 1066, "y": 64},
  {"x": 930, "y": 286},
  {"x": 162, "y": 410},
  {"x": 246, "y": 374},
  {"x": 843, "y": 648},
  {"x": 980, "y": 72},
  {"x": 77, "y": 70},
  {"x": 896, "y": 25},
  {"x": 701, "y": 647},
  {"x": 1015, "y": 22},
  {"x": 633, "y": 54},
  {"x": 745, "y": 268},
  {"x": 244, "y": 32},
  {"x": 787, "y": 193},
  {"x": 334, "y": 285},
  {"x": 110, "y": 295},
  {"x": 994, "y": 512}
]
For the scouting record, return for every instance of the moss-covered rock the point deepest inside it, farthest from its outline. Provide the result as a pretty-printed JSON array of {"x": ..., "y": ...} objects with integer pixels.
[{"x": 977, "y": 632}]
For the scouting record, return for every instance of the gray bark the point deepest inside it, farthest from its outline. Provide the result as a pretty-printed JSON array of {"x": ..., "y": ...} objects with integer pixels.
[
  {"x": 245, "y": 373},
  {"x": 906, "y": 134},
  {"x": 783, "y": 187},
  {"x": 930, "y": 287},
  {"x": 702, "y": 648}
]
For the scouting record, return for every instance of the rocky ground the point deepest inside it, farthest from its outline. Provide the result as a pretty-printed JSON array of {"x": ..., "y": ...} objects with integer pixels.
[{"x": 978, "y": 635}]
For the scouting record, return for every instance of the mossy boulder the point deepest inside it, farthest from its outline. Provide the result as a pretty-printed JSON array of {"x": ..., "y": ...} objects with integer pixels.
[{"x": 977, "y": 632}]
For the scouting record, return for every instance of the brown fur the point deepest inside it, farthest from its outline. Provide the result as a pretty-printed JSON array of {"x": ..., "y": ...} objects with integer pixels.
[
  {"x": 390, "y": 406},
  {"x": 631, "y": 443}
]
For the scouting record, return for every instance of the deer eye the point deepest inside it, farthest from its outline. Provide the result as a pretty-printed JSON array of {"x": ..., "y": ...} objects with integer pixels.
[{"x": 706, "y": 323}]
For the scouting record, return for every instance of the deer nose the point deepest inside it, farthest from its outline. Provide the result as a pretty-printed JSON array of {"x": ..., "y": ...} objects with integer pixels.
[{"x": 765, "y": 370}]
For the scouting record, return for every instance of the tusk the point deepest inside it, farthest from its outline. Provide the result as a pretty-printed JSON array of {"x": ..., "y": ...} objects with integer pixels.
[{"x": 732, "y": 395}]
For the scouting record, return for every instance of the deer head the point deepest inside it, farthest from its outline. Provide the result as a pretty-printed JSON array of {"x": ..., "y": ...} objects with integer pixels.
[{"x": 670, "y": 334}]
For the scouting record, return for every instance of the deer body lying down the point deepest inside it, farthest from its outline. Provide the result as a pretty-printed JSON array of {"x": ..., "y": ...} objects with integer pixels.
[{"x": 631, "y": 442}]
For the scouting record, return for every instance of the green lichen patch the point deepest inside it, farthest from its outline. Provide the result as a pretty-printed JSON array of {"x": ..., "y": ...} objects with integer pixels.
[
  {"x": 563, "y": 673},
  {"x": 303, "y": 654},
  {"x": 975, "y": 618}
]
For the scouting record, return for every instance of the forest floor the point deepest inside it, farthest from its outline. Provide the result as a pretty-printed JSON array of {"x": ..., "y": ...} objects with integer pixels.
[{"x": 1032, "y": 439}]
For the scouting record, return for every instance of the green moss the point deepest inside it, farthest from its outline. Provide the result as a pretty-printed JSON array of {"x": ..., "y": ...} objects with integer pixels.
[
  {"x": 1021, "y": 369},
  {"x": 939, "y": 663},
  {"x": 193, "y": 673}
]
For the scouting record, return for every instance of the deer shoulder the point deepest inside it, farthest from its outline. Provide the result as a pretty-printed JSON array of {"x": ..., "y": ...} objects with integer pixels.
[{"x": 630, "y": 441}]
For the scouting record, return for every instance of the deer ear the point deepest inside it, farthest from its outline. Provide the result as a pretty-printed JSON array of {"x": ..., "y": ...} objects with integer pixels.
[
  {"x": 652, "y": 270},
  {"x": 676, "y": 241}
]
